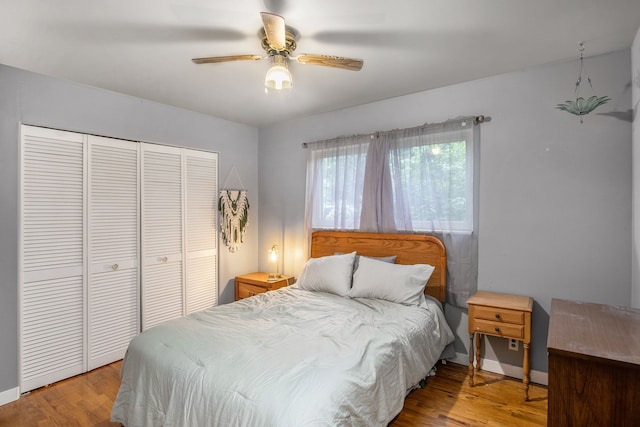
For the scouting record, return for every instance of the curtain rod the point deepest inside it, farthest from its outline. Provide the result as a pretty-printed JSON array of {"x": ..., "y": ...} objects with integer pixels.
[{"x": 476, "y": 120}]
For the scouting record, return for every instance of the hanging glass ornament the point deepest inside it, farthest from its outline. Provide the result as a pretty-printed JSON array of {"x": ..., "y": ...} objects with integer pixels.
[{"x": 582, "y": 106}]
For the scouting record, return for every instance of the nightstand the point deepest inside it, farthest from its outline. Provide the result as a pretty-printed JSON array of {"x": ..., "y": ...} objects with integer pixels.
[
  {"x": 248, "y": 285},
  {"x": 500, "y": 315}
]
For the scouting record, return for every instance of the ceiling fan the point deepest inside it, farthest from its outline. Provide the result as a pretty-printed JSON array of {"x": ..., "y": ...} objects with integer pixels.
[{"x": 279, "y": 41}]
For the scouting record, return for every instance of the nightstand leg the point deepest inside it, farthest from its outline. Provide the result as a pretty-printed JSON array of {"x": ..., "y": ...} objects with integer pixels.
[
  {"x": 478, "y": 353},
  {"x": 525, "y": 371},
  {"x": 471, "y": 370}
]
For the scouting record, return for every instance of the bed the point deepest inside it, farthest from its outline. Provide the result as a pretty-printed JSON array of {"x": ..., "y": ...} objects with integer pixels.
[{"x": 311, "y": 354}]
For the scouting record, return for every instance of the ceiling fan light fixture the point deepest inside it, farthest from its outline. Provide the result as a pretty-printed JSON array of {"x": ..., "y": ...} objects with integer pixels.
[
  {"x": 279, "y": 41},
  {"x": 278, "y": 77}
]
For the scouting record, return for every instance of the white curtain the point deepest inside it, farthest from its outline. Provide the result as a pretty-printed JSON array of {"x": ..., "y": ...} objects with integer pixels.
[
  {"x": 422, "y": 179},
  {"x": 335, "y": 180}
]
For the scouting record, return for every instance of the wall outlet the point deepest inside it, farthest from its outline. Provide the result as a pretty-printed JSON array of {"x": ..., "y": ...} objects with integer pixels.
[{"x": 513, "y": 344}]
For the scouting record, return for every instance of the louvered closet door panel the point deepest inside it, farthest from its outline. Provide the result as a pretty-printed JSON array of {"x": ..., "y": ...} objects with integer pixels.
[
  {"x": 162, "y": 216},
  {"x": 113, "y": 314},
  {"x": 201, "y": 191},
  {"x": 52, "y": 257}
]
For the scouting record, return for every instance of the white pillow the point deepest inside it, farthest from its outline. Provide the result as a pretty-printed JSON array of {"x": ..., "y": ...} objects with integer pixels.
[
  {"x": 328, "y": 274},
  {"x": 399, "y": 283}
]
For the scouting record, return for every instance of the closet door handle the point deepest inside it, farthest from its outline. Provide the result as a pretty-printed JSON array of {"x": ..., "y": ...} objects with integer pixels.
[
  {"x": 164, "y": 259},
  {"x": 114, "y": 267}
]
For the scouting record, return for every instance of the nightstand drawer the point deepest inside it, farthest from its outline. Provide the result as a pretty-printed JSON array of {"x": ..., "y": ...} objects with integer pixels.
[
  {"x": 499, "y": 315},
  {"x": 246, "y": 290},
  {"x": 498, "y": 329}
]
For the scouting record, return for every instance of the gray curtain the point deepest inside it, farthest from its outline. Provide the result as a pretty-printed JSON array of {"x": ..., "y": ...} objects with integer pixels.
[
  {"x": 377, "y": 195},
  {"x": 428, "y": 198}
]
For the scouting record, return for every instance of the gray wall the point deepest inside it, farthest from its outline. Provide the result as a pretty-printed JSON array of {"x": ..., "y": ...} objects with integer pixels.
[
  {"x": 555, "y": 195},
  {"x": 635, "y": 75},
  {"x": 38, "y": 100}
]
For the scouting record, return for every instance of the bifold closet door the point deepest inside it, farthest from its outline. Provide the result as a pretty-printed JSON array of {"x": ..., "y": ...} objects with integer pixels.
[
  {"x": 162, "y": 234},
  {"x": 201, "y": 197},
  {"x": 113, "y": 248},
  {"x": 52, "y": 257},
  {"x": 115, "y": 236}
]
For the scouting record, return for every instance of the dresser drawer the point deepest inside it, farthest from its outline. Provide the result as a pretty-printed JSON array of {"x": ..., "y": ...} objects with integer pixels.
[
  {"x": 499, "y": 315},
  {"x": 498, "y": 329},
  {"x": 245, "y": 290}
]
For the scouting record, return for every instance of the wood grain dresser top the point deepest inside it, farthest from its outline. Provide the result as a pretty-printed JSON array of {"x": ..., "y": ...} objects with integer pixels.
[{"x": 589, "y": 331}]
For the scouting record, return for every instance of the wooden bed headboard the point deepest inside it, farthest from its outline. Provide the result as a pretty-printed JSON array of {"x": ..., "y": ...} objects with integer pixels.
[{"x": 409, "y": 249}]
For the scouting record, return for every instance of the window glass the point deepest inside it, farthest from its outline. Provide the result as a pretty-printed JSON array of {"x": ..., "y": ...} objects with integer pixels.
[
  {"x": 436, "y": 181},
  {"x": 337, "y": 200}
]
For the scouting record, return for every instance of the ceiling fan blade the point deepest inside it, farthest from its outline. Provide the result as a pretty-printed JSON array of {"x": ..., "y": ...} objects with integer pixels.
[
  {"x": 274, "y": 28},
  {"x": 216, "y": 59},
  {"x": 331, "y": 61}
]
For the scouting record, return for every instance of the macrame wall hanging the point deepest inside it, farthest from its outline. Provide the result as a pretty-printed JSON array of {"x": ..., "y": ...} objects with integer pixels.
[{"x": 234, "y": 213}]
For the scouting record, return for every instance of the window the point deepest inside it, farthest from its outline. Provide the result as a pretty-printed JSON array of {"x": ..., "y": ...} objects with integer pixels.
[
  {"x": 337, "y": 185},
  {"x": 430, "y": 177},
  {"x": 437, "y": 181}
]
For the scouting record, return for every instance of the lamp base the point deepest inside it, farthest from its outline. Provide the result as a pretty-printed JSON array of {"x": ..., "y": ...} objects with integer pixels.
[{"x": 273, "y": 277}]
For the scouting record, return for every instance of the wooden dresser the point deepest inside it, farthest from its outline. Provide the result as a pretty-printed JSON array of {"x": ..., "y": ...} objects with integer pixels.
[{"x": 594, "y": 365}]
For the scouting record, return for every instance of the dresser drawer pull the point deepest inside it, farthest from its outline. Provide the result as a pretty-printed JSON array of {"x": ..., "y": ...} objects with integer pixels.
[
  {"x": 252, "y": 294},
  {"x": 497, "y": 329},
  {"x": 497, "y": 315}
]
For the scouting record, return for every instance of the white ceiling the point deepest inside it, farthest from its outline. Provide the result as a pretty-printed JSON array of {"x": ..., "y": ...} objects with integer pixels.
[{"x": 144, "y": 47}]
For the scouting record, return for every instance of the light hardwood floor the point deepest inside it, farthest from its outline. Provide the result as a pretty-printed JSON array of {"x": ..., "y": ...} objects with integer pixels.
[{"x": 86, "y": 400}]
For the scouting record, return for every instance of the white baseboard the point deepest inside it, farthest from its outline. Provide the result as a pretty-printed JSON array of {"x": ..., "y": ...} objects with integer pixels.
[
  {"x": 496, "y": 367},
  {"x": 9, "y": 396}
]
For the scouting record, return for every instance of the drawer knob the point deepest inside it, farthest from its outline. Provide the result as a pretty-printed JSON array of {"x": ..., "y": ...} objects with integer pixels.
[
  {"x": 497, "y": 329},
  {"x": 497, "y": 315}
]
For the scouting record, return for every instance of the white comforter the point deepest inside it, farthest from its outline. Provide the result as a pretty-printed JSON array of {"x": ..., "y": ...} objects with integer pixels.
[{"x": 285, "y": 358}]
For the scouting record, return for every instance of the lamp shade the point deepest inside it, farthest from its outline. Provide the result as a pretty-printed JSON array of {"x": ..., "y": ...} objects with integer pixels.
[{"x": 278, "y": 77}]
